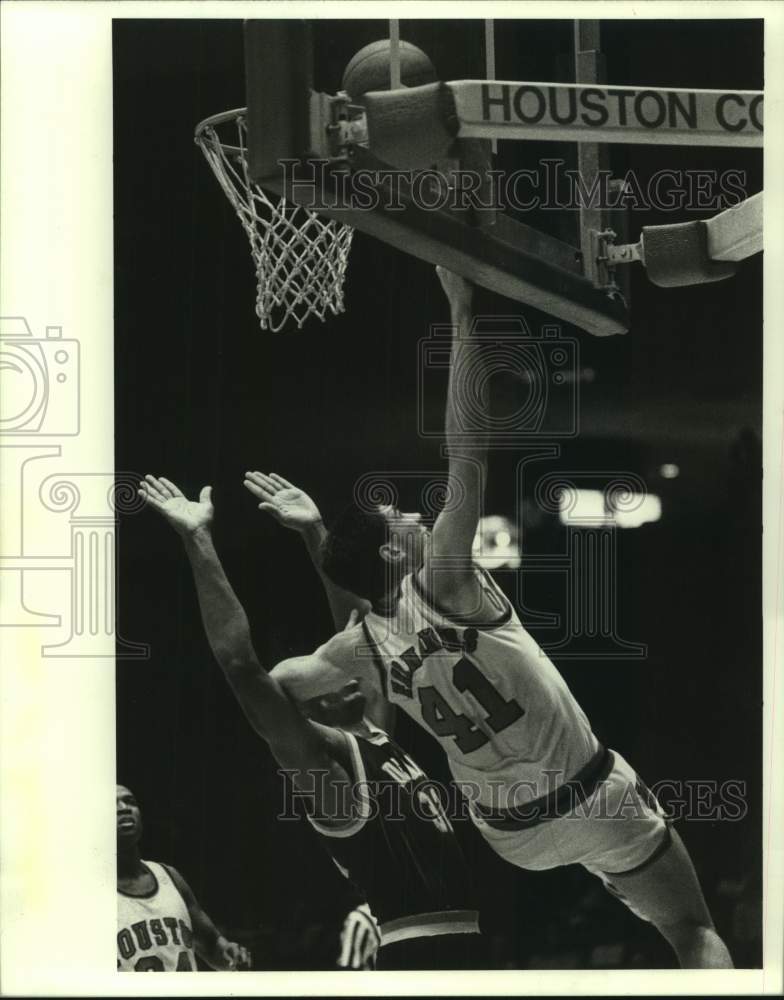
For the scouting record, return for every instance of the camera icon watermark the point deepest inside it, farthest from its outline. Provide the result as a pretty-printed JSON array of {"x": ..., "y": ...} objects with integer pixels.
[
  {"x": 58, "y": 565},
  {"x": 539, "y": 396},
  {"x": 39, "y": 390}
]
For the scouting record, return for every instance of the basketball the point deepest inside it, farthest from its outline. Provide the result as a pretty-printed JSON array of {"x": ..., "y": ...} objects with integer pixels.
[{"x": 369, "y": 68}]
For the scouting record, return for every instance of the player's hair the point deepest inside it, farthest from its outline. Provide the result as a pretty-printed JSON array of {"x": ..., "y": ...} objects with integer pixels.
[{"x": 350, "y": 556}]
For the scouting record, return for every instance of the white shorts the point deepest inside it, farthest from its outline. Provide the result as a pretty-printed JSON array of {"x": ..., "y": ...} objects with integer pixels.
[{"x": 614, "y": 830}]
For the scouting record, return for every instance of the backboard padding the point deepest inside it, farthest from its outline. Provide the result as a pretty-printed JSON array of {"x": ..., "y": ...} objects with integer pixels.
[{"x": 278, "y": 81}]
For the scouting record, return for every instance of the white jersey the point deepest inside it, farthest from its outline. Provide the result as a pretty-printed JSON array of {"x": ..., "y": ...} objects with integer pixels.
[
  {"x": 503, "y": 714},
  {"x": 154, "y": 932}
]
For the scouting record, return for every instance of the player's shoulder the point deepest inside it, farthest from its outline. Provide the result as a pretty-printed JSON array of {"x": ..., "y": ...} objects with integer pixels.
[{"x": 175, "y": 877}]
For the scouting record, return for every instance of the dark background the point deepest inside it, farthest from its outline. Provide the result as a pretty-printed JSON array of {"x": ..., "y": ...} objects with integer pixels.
[{"x": 201, "y": 395}]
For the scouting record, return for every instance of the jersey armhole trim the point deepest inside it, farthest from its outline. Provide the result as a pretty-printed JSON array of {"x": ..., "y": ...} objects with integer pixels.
[
  {"x": 360, "y": 785},
  {"x": 377, "y": 661},
  {"x": 459, "y": 620}
]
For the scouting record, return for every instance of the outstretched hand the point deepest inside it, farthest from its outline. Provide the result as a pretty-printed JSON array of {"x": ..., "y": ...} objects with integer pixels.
[
  {"x": 459, "y": 291},
  {"x": 184, "y": 515},
  {"x": 232, "y": 957},
  {"x": 288, "y": 504}
]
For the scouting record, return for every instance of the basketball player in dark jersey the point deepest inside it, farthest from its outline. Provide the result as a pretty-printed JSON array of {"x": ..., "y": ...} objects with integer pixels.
[
  {"x": 160, "y": 924},
  {"x": 442, "y": 642},
  {"x": 396, "y": 781},
  {"x": 372, "y": 806}
]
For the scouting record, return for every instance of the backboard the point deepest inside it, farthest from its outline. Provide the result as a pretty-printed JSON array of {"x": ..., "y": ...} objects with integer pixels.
[{"x": 532, "y": 255}]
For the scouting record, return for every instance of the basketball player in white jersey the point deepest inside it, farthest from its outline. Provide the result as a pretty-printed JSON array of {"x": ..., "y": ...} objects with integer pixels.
[
  {"x": 411, "y": 868},
  {"x": 160, "y": 925},
  {"x": 442, "y": 642}
]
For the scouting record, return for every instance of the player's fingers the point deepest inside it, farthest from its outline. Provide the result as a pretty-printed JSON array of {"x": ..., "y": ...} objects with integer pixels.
[
  {"x": 146, "y": 493},
  {"x": 371, "y": 939},
  {"x": 360, "y": 948},
  {"x": 174, "y": 490},
  {"x": 257, "y": 490},
  {"x": 152, "y": 491},
  {"x": 261, "y": 479},
  {"x": 284, "y": 483},
  {"x": 360, "y": 939},
  {"x": 347, "y": 944},
  {"x": 156, "y": 486},
  {"x": 206, "y": 495},
  {"x": 269, "y": 508},
  {"x": 150, "y": 499},
  {"x": 374, "y": 933}
]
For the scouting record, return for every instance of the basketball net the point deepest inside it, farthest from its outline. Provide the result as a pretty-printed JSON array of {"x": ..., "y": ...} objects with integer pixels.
[{"x": 300, "y": 258}]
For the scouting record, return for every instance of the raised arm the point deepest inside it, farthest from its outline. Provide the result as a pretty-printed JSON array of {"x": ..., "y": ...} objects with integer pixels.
[
  {"x": 294, "y": 509},
  {"x": 449, "y": 574},
  {"x": 296, "y": 743}
]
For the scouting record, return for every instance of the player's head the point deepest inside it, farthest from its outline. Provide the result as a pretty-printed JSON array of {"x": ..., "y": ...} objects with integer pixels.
[
  {"x": 344, "y": 707},
  {"x": 129, "y": 818},
  {"x": 367, "y": 551}
]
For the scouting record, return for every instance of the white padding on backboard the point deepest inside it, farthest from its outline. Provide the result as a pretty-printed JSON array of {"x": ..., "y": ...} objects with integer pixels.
[{"x": 737, "y": 233}]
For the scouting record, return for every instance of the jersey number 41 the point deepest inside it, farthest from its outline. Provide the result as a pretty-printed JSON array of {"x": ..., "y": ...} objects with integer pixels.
[{"x": 439, "y": 717}]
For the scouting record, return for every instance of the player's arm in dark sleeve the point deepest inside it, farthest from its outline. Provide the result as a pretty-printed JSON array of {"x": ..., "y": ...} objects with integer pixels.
[
  {"x": 296, "y": 744},
  {"x": 295, "y": 509},
  {"x": 216, "y": 950},
  {"x": 450, "y": 573}
]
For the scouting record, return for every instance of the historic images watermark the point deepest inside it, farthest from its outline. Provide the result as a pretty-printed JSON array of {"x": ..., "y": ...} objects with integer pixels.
[
  {"x": 553, "y": 796},
  {"x": 550, "y": 185}
]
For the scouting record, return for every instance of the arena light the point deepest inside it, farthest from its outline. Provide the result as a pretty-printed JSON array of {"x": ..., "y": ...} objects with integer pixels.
[
  {"x": 593, "y": 508},
  {"x": 642, "y": 509},
  {"x": 582, "y": 508},
  {"x": 496, "y": 543}
]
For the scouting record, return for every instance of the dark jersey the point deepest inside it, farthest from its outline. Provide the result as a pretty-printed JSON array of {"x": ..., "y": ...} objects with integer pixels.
[{"x": 399, "y": 846}]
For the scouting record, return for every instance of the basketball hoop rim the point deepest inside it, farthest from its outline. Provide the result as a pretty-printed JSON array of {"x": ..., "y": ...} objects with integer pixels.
[
  {"x": 300, "y": 259},
  {"x": 219, "y": 119}
]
